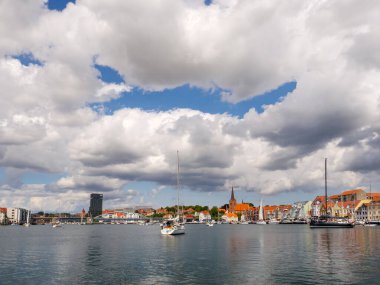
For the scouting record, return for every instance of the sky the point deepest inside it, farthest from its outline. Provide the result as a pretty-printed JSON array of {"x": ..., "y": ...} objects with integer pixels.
[{"x": 98, "y": 97}]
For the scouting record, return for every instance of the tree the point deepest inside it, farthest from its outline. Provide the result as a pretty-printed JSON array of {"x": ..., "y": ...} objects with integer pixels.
[{"x": 214, "y": 212}]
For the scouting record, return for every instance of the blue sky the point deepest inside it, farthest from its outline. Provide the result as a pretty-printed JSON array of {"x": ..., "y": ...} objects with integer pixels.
[
  {"x": 208, "y": 101},
  {"x": 58, "y": 5}
]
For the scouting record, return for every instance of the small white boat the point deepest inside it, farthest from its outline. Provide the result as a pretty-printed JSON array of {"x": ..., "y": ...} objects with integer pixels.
[
  {"x": 209, "y": 224},
  {"x": 273, "y": 221},
  {"x": 360, "y": 222},
  {"x": 57, "y": 225}
]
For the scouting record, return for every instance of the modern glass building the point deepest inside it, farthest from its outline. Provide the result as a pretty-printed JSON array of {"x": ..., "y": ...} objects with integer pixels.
[{"x": 96, "y": 204}]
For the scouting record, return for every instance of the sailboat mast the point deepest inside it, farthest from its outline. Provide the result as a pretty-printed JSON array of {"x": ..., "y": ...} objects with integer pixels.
[
  {"x": 177, "y": 183},
  {"x": 326, "y": 185}
]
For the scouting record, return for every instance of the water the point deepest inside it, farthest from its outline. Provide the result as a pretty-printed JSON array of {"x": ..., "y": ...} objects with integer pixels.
[{"x": 223, "y": 254}]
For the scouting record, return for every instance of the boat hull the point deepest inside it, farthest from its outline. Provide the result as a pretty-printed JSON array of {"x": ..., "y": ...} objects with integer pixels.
[{"x": 330, "y": 225}]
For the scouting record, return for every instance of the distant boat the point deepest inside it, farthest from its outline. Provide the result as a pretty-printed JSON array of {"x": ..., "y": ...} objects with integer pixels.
[
  {"x": 174, "y": 226},
  {"x": 261, "y": 215},
  {"x": 273, "y": 221},
  {"x": 327, "y": 221},
  {"x": 286, "y": 221},
  {"x": 300, "y": 221}
]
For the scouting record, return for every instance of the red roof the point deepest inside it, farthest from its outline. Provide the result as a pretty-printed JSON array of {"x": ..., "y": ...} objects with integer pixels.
[
  {"x": 374, "y": 196},
  {"x": 230, "y": 215},
  {"x": 319, "y": 198},
  {"x": 242, "y": 207},
  {"x": 334, "y": 196},
  {"x": 353, "y": 191}
]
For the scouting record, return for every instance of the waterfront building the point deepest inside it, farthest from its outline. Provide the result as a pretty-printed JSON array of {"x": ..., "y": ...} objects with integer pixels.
[
  {"x": 301, "y": 210},
  {"x": 189, "y": 211},
  {"x": 361, "y": 213},
  {"x": 244, "y": 209},
  {"x": 349, "y": 195},
  {"x": 318, "y": 207},
  {"x": 145, "y": 211},
  {"x": 277, "y": 212},
  {"x": 168, "y": 216},
  {"x": 230, "y": 218},
  {"x": 17, "y": 215},
  {"x": 374, "y": 211},
  {"x": 96, "y": 204},
  {"x": 352, "y": 203},
  {"x": 120, "y": 214},
  {"x": 204, "y": 216},
  {"x": 189, "y": 218},
  {"x": 161, "y": 211}
]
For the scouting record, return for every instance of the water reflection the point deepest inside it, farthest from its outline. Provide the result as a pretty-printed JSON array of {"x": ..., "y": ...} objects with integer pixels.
[{"x": 273, "y": 254}]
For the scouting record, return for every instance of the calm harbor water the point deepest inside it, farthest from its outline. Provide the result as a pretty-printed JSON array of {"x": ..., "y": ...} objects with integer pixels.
[{"x": 223, "y": 254}]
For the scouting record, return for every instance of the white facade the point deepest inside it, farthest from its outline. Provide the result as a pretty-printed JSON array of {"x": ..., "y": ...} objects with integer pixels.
[
  {"x": 316, "y": 209},
  {"x": 204, "y": 217},
  {"x": 362, "y": 213},
  {"x": 374, "y": 211},
  {"x": 131, "y": 215},
  {"x": 230, "y": 218},
  {"x": 125, "y": 215},
  {"x": 17, "y": 215}
]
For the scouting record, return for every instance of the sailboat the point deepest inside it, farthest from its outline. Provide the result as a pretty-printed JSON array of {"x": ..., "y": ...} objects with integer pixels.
[
  {"x": 58, "y": 224},
  {"x": 27, "y": 224},
  {"x": 327, "y": 221},
  {"x": 174, "y": 226},
  {"x": 261, "y": 215}
]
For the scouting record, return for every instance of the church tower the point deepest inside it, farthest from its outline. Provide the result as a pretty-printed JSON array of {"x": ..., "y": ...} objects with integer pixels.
[{"x": 232, "y": 204}]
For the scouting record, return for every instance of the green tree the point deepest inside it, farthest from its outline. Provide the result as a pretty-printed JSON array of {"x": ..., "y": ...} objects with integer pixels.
[{"x": 214, "y": 212}]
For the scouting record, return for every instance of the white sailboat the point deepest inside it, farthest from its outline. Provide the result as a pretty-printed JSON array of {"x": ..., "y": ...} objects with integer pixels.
[
  {"x": 261, "y": 215},
  {"x": 174, "y": 226},
  {"x": 27, "y": 224}
]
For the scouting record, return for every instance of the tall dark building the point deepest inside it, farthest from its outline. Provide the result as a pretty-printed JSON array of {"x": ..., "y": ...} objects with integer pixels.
[{"x": 96, "y": 204}]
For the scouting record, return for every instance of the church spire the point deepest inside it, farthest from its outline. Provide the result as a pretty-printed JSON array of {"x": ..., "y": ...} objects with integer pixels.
[
  {"x": 232, "y": 203},
  {"x": 232, "y": 194}
]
